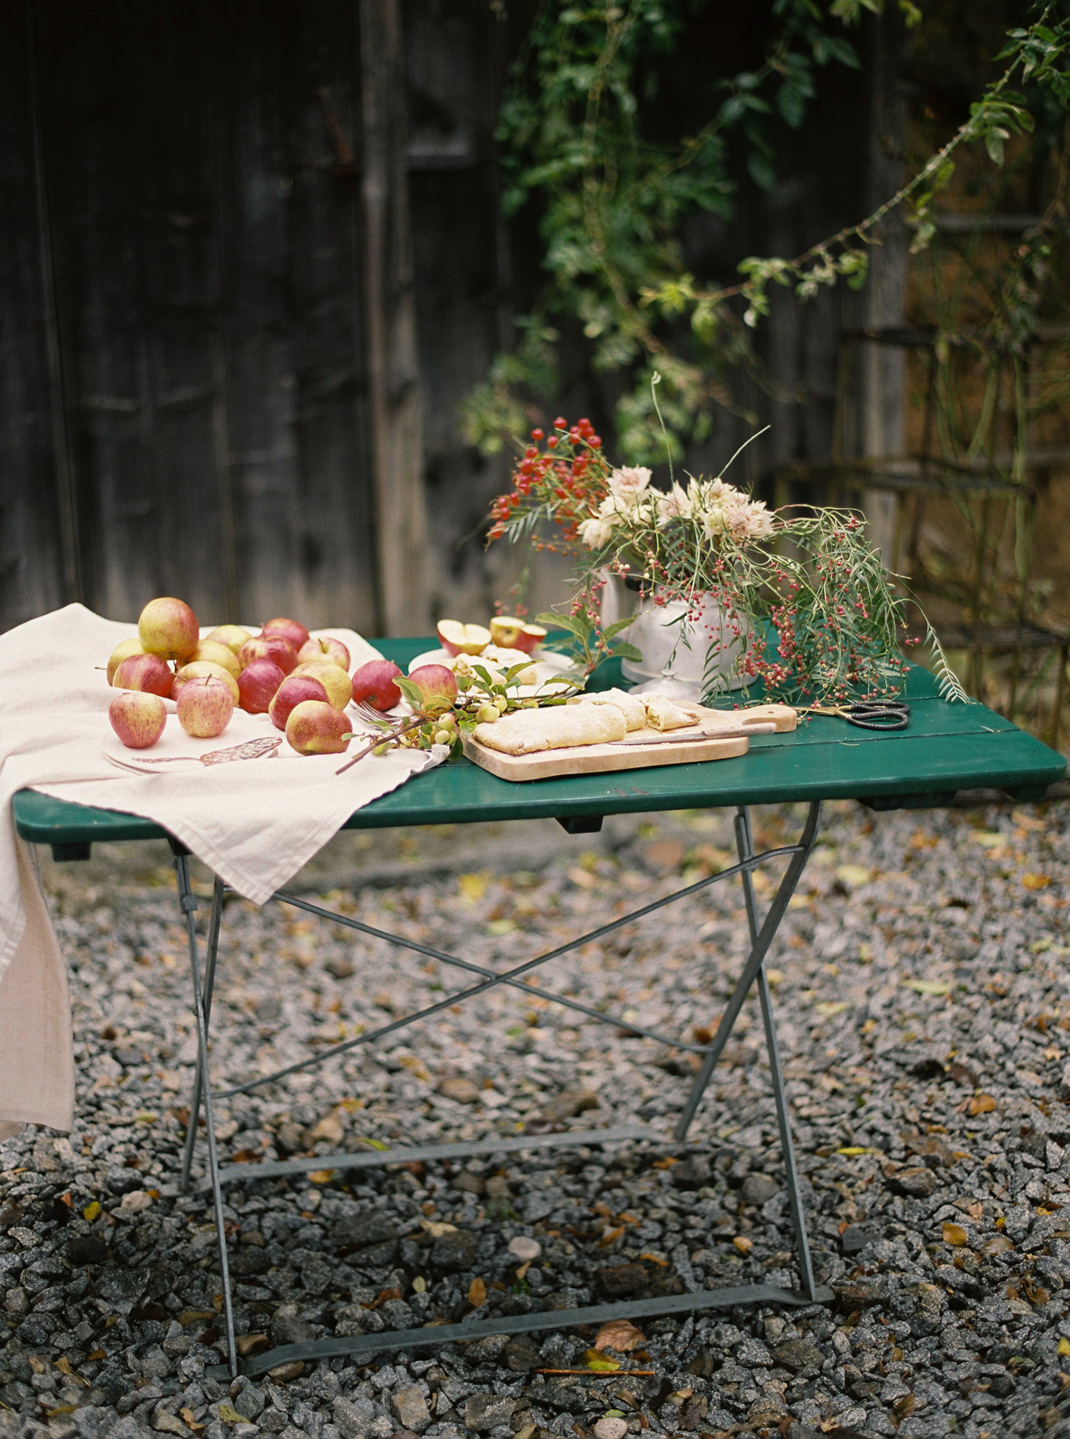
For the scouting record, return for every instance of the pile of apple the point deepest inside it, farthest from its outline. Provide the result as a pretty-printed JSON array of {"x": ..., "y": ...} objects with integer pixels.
[{"x": 301, "y": 683}]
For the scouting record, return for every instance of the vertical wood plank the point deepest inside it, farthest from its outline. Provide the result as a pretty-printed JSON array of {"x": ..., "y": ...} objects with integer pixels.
[
  {"x": 31, "y": 524},
  {"x": 397, "y": 444}
]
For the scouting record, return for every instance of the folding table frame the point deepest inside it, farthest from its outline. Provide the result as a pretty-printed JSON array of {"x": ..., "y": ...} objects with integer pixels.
[{"x": 762, "y": 933}]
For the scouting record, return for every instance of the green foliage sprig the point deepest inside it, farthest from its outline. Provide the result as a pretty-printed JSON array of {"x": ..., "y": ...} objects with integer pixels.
[{"x": 613, "y": 202}]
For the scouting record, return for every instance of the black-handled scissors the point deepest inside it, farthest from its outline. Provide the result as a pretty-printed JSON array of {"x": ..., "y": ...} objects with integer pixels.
[{"x": 868, "y": 714}]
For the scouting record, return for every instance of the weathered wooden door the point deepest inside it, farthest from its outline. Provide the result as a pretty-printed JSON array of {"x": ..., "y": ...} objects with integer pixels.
[{"x": 186, "y": 350}]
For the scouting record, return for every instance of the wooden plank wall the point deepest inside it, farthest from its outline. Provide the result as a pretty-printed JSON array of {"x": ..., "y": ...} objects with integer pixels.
[{"x": 219, "y": 367}]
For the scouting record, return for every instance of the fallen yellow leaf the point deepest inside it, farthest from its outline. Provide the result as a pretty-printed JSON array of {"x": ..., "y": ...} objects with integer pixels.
[
  {"x": 853, "y": 1149},
  {"x": 599, "y": 1363},
  {"x": 928, "y": 986},
  {"x": 743, "y": 1244},
  {"x": 1036, "y": 881},
  {"x": 981, "y": 1104},
  {"x": 988, "y": 837},
  {"x": 321, "y": 1176},
  {"x": 831, "y": 1007},
  {"x": 853, "y": 875},
  {"x": 419, "y": 1285},
  {"x": 477, "y": 1293},
  {"x": 472, "y": 886},
  {"x": 91, "y": 1211},
  {"x": 955, "y": 1235},
  {"x": 1064, "y": 1346}
]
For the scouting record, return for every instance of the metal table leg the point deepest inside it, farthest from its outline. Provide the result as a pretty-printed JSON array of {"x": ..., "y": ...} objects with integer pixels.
[
  {"x": 787, "y": 1144},
  {"x": 188, "y": 903},
  {"x": 209, "y": 986}
]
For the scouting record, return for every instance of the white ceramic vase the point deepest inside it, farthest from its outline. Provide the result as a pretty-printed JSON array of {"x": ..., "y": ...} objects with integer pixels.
[{"x": 675, "y": 640}]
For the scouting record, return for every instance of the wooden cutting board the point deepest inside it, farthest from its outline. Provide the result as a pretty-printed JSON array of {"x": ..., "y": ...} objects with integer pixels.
[{"x": 660, "y": 748}]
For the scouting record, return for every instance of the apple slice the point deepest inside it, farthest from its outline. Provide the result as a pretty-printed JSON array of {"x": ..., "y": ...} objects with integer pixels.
[
  {"x": 458, "y": 639},
  {"x": 510, "y": 633}
]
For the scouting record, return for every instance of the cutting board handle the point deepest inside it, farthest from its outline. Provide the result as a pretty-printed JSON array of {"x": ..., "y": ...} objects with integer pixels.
[{"x": 783, "y": 716}]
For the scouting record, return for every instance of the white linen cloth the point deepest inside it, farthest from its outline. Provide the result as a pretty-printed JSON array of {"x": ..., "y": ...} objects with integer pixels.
[{"x": 254, "y": 822}]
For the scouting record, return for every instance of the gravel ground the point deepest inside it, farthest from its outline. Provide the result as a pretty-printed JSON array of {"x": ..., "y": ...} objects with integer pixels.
[{"x": 923, "y": 999}]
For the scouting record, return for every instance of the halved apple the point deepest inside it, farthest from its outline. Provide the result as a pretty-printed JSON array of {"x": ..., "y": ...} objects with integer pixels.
[
  {"x": 511, "y": 633},
  {"x": 458, "y": 639}
]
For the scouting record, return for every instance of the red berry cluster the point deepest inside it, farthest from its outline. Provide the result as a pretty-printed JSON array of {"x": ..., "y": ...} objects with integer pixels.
[{"x": 567, "y": 477}]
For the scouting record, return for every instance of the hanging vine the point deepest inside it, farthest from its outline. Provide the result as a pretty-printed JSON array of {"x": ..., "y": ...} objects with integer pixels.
[{"x": 613, "y": 202}]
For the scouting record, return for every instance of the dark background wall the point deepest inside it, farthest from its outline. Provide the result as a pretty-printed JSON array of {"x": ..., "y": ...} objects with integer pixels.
[{"x": 186, "y": 359}]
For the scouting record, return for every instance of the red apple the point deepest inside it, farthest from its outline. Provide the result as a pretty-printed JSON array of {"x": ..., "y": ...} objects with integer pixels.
[
  {"x": 289, "y": 629},
  {"x": 373, "y": 684},
  {"x": 123, "y": 651},
  {"x": 333, "y": 678},
  {"x": 458, "y": 639},
  {"x": 144, "y": 672},
  {"x": 437, "y": 686},
  {"x": 294, "y": 690},
  {"x": 276, "y": 648},
  {"x": 201, "y": 670},
  {"x": 205, "y": 707},
  {"x": 510, "y": 633},
  {"x": 168, "y": 627},
  {"x": 137, "y": 718},
  {"x": 233, "y": 636},
  {"x": 257, "y": 684},
  {"x": 324, "y": 648},
  {"x": 315, "y": 727}
]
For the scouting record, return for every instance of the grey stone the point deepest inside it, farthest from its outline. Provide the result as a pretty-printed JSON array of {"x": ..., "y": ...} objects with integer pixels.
[
  {"x": 487, "y": 1411},
  {"x": 918, "y": 1182},
  {"x": 362, "y": 1231},
  {"x": 250, "y": 1402},
  {"x": 410, "y": 1406},
  {"x": 759, "y": 1188},
  {"x": 799, "y": 1355},
  {"x": 454, "y": 1251}
]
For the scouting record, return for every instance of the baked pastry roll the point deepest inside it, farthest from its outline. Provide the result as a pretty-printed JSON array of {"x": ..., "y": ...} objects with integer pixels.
[
  {"x": 663, "y": 714},
  {"x": 630, "y": 706},
  {"x": 560, "y": 727}
]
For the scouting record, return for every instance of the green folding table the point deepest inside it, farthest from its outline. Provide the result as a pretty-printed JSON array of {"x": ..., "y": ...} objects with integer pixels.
[{"x": 946, "y": 748}]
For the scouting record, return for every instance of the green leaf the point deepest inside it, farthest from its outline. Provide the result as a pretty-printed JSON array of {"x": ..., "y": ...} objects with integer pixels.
[
  {"x": 616, "y": 627},
  {"x": 791, "y": 102},
  {"x": 994, "y": 145},
  {"x": 410, "y": 691},
  {"x": 626, "y": 652},
  {"x": 761, "y": 170}
]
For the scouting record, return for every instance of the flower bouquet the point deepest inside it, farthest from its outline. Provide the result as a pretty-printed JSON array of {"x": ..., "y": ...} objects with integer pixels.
[{"x": 795, "y": 600}]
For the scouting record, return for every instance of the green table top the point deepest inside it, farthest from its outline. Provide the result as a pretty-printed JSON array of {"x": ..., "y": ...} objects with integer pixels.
[{"x": 947, "y": 747}]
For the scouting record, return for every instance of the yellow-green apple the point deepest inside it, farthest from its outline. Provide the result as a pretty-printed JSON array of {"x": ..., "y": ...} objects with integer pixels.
[
  {"x": 324, "y": 648},
  {"x": 510, "y": 633},
  {"x": 257, "y": 684},
  {"x": 437, "y": 686},
  {"x": 123, "y": 651},
  {"x": 373, "y": 684},
  {"x": 137, "y": 718},
  {"x": 233, "y": 636},
  {"x": 144, "y": 672},
  {"x": 204, "y": 670},
  {"x": 205, "y": 706},
  {"x": 291, "y": 630},
  {"x": 458, "y": 639},
  {"x": 294, "y": 690},
  {"x": 168, "y": 627},
  {"x": 219, "y": 654},
  {"x": 332, "y": 677},
  {"x": 276, "y": 648},
  {"x": 316, "y": 727}
]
